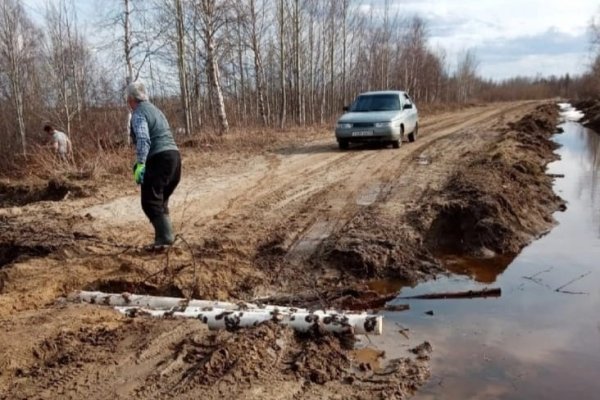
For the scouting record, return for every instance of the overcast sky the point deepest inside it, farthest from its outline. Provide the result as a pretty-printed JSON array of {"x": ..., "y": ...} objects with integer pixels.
[
  {"x": 523, "y": 37},
  {"x": 510, "y": 37}
]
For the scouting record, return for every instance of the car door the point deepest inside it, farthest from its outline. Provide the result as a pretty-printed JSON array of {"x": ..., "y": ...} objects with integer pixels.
[{"x": 411, "y": 114}]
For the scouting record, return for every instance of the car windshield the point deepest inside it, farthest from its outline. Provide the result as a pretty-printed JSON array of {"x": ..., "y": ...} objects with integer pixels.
[{"x": 376, "y": 102}]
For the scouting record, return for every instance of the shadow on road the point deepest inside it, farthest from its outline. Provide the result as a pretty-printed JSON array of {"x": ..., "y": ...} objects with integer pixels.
[{"x": 328, "y": 148}]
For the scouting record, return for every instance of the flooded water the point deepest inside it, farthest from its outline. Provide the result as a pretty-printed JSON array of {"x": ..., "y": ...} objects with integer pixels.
[{"x": 541, "y": 338}]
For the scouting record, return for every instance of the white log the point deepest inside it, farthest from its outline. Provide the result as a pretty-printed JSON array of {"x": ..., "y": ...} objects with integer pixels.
[
  {"x": 301, "y": 321},
  {"x": 168, "y": 303}
]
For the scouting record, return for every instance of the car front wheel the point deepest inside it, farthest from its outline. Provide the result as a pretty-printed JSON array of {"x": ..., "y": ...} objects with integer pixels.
[
  {"x": 344, "y": 144},
  {"x": 396, "y": 143},
  {"x": 413, "y": 135}
]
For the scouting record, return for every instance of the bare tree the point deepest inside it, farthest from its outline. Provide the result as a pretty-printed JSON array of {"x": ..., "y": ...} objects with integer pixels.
[
  {"x": 17, "y": 44},
  {"x": 181, "y": 66},
  {"x": 66, "y": 62},
  {"x": 213, "y": 18},
  {"x": 466, "y": 75},
  {"x": 258, "y": 67},
  {"x": 281, "y": 26}
]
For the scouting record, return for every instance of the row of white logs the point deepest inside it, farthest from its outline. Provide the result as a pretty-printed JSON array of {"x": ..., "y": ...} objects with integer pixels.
[{"x": 231, "y": 316}]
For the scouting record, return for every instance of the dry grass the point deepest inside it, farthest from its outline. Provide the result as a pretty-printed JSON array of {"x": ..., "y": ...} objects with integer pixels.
[{"x": 95, "y": 158}]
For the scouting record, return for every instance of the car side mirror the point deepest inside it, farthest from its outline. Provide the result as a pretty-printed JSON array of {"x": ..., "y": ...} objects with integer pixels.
[
  {"x": 407, "y": 106},
  {"x": 345, "y": 108}
]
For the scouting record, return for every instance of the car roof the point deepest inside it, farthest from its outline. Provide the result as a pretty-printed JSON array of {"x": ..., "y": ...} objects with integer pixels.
[{"x": 399, "y": 92}]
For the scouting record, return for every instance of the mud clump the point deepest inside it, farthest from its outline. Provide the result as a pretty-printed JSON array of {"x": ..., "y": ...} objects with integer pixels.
[
  {"x": 501, "y": 200},
  {"x": 171, "y": 359},
  {"x": 591, "y": 109},
  {"x": 54, "y": 190},
  {"x": 375, "y": 248},
  {"x": 11, "y": 252},
  {"x": 134, "y": 287}
]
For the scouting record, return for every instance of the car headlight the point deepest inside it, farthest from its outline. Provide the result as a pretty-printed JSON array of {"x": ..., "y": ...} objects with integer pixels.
[
  {"x": 383, "y": 124},
  {"x": 344, "y": 126}
]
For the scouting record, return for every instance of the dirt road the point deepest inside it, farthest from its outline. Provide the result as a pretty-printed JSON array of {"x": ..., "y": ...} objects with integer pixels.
[{"x": 284, "y": 222}]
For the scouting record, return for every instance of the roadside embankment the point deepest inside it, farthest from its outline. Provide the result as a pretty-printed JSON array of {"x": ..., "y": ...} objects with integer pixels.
[
  {"x": 494, "y": 203},
  {"x": 591, "y": 109}
]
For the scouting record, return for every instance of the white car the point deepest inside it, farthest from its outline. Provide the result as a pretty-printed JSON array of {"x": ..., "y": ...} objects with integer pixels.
[{"x": 385, "y": 116}]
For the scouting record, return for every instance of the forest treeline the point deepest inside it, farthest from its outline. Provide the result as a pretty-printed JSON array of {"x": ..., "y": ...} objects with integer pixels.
[{"x": 217, "y": 65}]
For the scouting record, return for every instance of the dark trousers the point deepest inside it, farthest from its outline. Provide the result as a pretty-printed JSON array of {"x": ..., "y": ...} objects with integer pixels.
[{"x": 162, "y": 175}]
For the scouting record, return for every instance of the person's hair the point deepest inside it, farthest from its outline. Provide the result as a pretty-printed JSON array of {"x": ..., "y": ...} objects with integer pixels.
[
  {"x": 48, "y": 128},
  {"x": 137, "y": 91}
]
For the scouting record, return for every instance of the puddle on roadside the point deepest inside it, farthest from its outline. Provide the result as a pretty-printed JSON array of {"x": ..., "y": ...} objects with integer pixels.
[
  {"x": 533, "y": 341},
  {"x": 483, "y": 270}
]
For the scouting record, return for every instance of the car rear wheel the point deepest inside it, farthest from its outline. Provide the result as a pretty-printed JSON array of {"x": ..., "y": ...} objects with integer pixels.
[
  {"x": 344, "y": 144},
  {"x": 396, "y": 144},
  {"x": 413, "y": 135}
]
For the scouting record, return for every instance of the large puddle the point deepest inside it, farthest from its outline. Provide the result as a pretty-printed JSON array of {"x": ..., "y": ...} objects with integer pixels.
[{"x": 541, "y": 338}]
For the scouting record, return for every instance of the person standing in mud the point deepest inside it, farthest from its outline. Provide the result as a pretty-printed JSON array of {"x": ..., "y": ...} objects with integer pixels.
[
  {"x": 158, "y": 162},
  {"x": 60, "y": 142}
]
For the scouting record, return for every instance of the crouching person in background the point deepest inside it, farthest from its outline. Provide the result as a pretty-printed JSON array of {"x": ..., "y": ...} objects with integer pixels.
[
  {"x": 158, "y": 165},
  {"x": 60, "y": 142}
]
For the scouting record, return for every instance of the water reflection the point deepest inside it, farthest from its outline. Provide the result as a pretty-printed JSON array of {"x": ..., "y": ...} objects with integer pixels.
[
  {"x": 483, "y": 270},
  {"x": 533, "y": 342}
]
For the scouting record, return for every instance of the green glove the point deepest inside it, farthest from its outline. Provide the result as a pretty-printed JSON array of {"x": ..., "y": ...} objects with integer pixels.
[{"x": 138, "y": 172}]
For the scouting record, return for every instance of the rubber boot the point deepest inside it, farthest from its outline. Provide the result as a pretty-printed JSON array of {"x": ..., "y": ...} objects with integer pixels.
[{"x": 163, "y": 231}]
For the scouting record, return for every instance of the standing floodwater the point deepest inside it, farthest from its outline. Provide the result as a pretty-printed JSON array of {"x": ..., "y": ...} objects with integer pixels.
[{"x": 541, "y": 338}]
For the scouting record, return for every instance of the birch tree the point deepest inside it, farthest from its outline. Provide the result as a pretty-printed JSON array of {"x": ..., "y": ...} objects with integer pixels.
[
  {"x": 466, "y": 75},
  {"x": 255, "y": 38},
  {"x": 282, "y": 55},
  {"x": 66, "y": 62},
  {"x": 17, "y": 45},
  {"x": 181, "y": 66},
  {"x": 213, "y": 15}
]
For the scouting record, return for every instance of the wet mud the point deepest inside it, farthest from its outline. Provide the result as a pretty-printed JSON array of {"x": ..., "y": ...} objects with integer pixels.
[
  {"x": 501, "y": 200},
  {"x": 303, "y": 232},
  {"x": 16, "y": 194},
  {"x": 591, "y": 110},
  {"x": 494, "y": 203}
]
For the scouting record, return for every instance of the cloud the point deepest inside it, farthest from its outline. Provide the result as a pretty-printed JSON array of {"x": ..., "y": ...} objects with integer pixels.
[
  {"x": 551, "y": 42},
  {"x": 549, "y": 53},
  {"x": 537, "y": 36},
  {"x": 533, "y": 65}
]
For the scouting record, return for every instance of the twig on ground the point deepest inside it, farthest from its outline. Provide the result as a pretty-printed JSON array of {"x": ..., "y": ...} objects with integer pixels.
[
  {"x": 403, "y": 331},
  {"x": 560, "y": 288},
  {"x": 486, "y": 292},
  {"x": 533, "y": 278},
  {"x": 194, "y": 282},
  {"x": 539, "y": 273}
]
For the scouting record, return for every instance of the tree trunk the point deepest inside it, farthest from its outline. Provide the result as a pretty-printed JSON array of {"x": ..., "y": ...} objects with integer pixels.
[
  {"x": 258, "y": 70},
  {"x": 297, "y": 79},
  {"x": 12, "y": 46},
  {"x": 219, "y": 103},
  {"x": 181, "y": 66},
  {"x": 283, "y": 105},
  {"x": 129, "y": 66},
  {"x": 301, "y": 321}
]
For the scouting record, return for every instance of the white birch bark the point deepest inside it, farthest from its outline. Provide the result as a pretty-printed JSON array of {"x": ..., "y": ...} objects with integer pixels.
[
  {"x": 301, "y": 321},
  {"x": 166, "y": 303},
  {"x": 181, "y": 66}
]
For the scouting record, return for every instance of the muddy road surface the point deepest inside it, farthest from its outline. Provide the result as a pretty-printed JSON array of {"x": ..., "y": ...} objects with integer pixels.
[{"x": 303, "y": 224}]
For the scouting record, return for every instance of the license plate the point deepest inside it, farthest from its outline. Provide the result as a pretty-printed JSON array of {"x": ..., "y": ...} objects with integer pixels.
[{"x": 362, "y": 133}]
